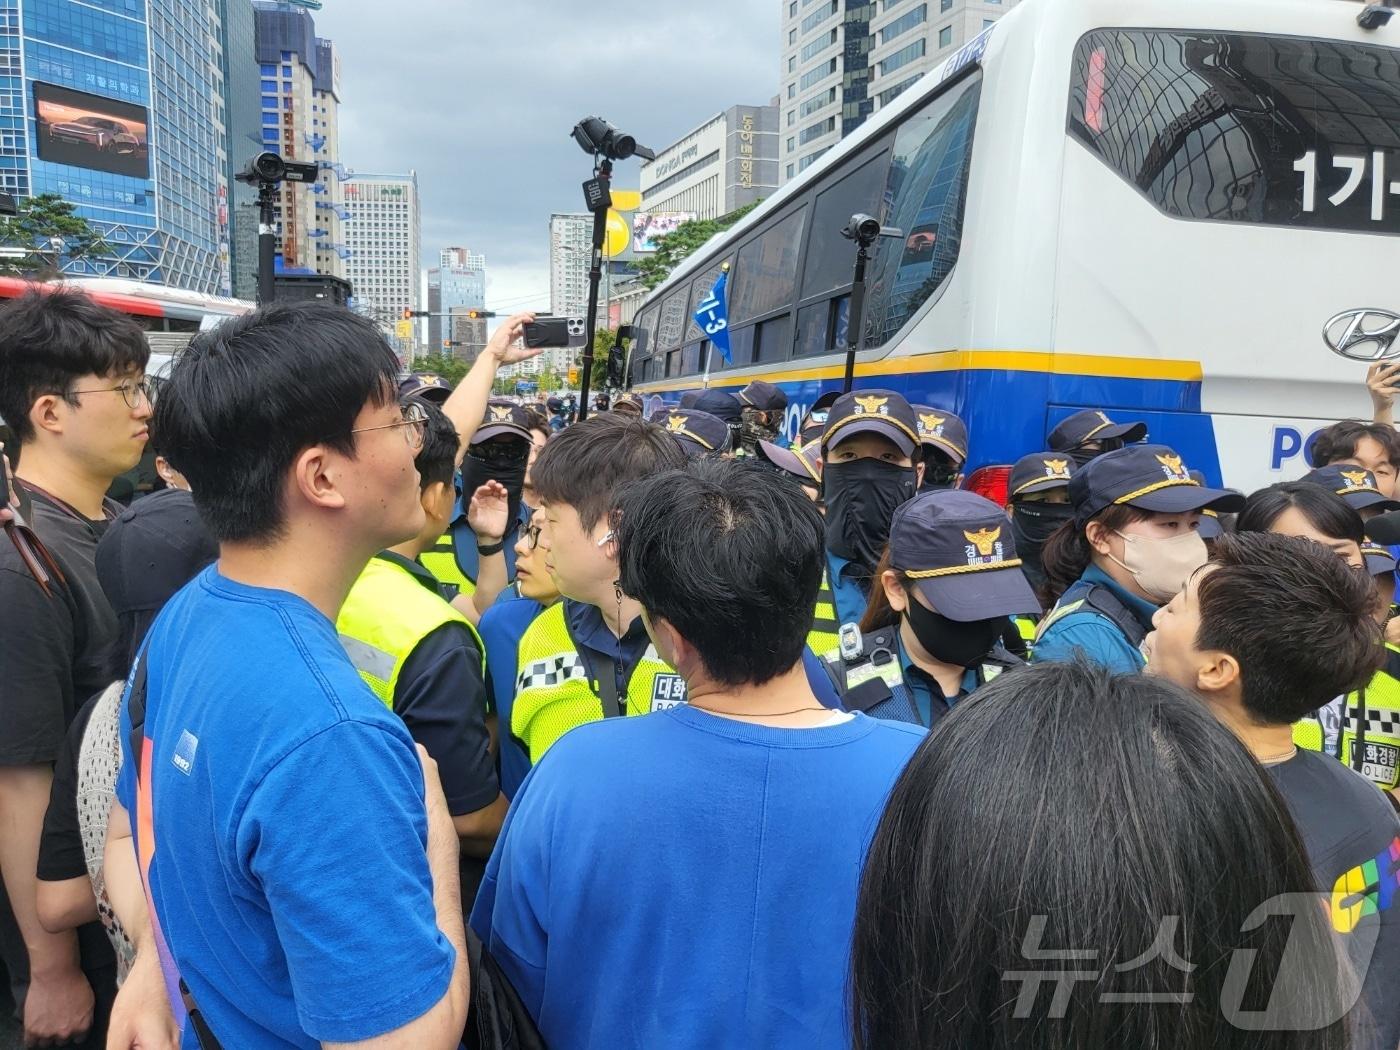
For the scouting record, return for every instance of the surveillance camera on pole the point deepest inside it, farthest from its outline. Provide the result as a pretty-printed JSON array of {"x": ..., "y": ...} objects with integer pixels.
[
  {"x": 266, "y": 171},
  {"x": 605, "y": 144},
  {"x": 865, "y": 230}
]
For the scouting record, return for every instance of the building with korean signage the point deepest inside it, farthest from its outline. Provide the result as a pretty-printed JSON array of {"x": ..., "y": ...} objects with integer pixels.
[{"x": 728, "y": 161}]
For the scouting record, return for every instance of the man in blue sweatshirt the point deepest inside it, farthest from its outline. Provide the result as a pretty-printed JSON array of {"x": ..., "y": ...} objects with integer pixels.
[{"x": 688, "y": 878}]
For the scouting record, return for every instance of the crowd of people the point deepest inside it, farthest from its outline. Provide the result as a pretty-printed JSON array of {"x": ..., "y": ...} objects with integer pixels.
[{"x": 406, "y": 716}]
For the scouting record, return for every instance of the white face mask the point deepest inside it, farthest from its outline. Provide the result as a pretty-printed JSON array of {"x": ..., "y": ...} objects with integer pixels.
[{"x": 1161, "y": 567}]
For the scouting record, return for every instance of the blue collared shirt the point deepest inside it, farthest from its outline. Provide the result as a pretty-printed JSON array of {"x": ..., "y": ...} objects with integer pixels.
[
  {"x": 1093, "y": 635},
  {"x": 849, "y": 592},
  {"x": 464, "y": 542},
  {"x": 600, "y": 648}
]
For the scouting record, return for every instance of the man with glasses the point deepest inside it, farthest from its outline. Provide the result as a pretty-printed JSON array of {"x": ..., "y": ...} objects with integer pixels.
[
  {"x": 421, "y": 656},
  {"x": 297, "y": 850},
  {"x": 73, "y": 390}
]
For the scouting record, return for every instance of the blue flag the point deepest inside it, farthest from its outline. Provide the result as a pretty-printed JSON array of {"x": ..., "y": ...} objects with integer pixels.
[{"x": 713, "y": 317}]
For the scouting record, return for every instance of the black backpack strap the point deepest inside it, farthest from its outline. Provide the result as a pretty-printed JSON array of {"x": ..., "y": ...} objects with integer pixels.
[{"x": 1106, "y": 603}]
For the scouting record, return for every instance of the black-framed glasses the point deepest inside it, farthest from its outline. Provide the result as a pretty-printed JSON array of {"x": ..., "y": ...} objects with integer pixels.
[
  {"x": 414, "y": 423},
  {"x": 532, "y": 536},
  {"x": 135, "y": 392}
]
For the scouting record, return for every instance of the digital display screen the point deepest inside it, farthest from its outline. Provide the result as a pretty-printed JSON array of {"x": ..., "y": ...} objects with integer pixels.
[{"x": 89, "y": 131}]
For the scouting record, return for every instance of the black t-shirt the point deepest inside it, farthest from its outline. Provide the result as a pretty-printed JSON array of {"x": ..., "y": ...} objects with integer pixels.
[
  {"x": 1352, "y": 835},
  {"x": 61, "y": 854},
  {"x": 57, "y": 648}
]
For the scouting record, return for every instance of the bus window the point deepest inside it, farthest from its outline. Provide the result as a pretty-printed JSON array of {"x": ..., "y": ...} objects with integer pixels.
[
  {"x": 773, "y": 339},
  {"x": 691, "y": 356},
  {"x": 830, "y": 257},
  {"x": 1238, "y": 127},
  {"x": 740, "y": 348},
  {"x": 646, "y": 321},
  {"x": 927, "y": 189},
  {"x": 672, "y": 320},
  {"x": 764, "y": 275},
  {"x": 673, "y": 364},
  {"x": 812, "y": 329}
]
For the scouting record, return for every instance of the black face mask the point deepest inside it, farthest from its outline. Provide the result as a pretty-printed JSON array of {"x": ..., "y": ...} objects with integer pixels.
[
  {"x": 1031, "y": 525},
  {"x": 861, "y": 498},
  {"x": 949, "y": 641},
  {"x": 1082, "y": 456},
  {"x": 477, "y": 472},
  {"x": 938, "y": 476}
]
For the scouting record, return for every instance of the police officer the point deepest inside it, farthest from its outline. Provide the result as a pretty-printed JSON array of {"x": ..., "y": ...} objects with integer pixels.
[
  {"x": 423, "y": 659},
  {"x": 870, "y": 466},
  {"x": 425, "y": 386},
  {"x": 1357, "y": 486},
  {"x": 799, "y": 463},
  {"x": 1131, "y": 546},
  {"x": 931, "y": 633},
  {"x": 558, "y": 419},
  {"x": 761, "y": 418},
  {"x": 500, "y": 451},
  {"x": 1091, "y": 433},
  {"x": 813, "y": 424},
  {"x": 943, "y": 438},
  {"x": 628, "y": 405},
  {"x": 698, "y": 433},
  {"x": 1037, "y": 502}
]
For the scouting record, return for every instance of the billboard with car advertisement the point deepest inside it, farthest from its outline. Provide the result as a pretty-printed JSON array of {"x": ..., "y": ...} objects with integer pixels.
[{"x": 89, "y": 131}]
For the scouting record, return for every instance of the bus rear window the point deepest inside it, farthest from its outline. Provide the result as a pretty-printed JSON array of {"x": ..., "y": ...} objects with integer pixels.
[{"x": 1281, "y": 131}]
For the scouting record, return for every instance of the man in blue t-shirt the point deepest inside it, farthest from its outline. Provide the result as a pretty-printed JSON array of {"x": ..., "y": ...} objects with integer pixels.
[
  {"x": 298, "y": 854},
  {"x": 688, "y": 878}
]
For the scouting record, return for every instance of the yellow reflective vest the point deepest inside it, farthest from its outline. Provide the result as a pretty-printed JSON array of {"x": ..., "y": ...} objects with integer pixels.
[
  {"x": 1379, "y": 704},
  {"x": 441, "y": 560},
  {"x": 553, "y": 692},
  {"x": 825, "y": 637},
  {"x": 388, "y": 612}
]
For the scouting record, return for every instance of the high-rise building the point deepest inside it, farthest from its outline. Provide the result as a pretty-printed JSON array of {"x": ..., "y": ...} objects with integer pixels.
[
  {"x": 300, "y": 93},
  {"x": 844, "y": 59},
  {"x": 570, "y": 247},
  {"x": 124, "y": 100},
  {"x": 382, "y": 242},
  {"x": 728, "y": 161},
  {"x": 242, "y": 140},
  {"x": 458, "y": 280}
]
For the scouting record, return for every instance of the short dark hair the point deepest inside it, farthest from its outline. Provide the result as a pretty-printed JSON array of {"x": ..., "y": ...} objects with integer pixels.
[
  {"x": 248, "y": 396},
  {"x": 1132, "y": 800},
  {"x": 1325, "y": 510},
  {"x": 585, "y": 465},
  {"x": 698, "y": 547},
  {"x": 1338, "y": 442},
  {"x": 1275, "y": 603},
  {"x": 536, "y": 420},
  {"x": 48, "y": 339},
  {"x": 1067, "y": 553},
  {"x": 437, "y": 459}
]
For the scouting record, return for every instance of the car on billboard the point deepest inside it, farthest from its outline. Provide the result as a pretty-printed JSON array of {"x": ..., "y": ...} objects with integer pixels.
[{"x": 101, "y": 133}]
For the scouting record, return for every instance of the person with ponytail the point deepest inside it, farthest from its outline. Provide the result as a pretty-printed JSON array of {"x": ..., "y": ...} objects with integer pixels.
[
  {"x": 932, "y": 630},
  {"x": 1131, "y": 545}
]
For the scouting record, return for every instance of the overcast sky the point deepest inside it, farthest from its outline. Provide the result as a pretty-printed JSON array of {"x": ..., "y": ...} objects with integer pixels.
[{"x": 479, "y": 99}]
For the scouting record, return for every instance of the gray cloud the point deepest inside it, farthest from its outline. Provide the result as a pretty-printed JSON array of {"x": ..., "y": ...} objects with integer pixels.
[{"x": 479, "y": 99}]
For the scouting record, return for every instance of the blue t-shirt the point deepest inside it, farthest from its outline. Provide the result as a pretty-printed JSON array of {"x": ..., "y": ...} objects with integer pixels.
[
  {"x": 637, "y": 898},
  {"x": 1093, "y": 635},
  {"x": 501, "y": 628},
  {"x": 289, "y": 875}
]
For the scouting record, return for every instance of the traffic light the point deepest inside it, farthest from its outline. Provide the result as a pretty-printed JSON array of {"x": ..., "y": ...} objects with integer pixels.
[
  {"x": 477, "y": 315},
  {"x": 573, "y": 377},
  {"x": 407, "y": 314},
  {"x": 446, "y": 343}
]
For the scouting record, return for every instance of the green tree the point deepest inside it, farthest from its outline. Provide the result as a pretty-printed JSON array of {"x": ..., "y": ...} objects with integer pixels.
[
  {"x": 681, "y": 242},
  {"x": 41, "y": 219},
  {"x": 448, "y": 368}
]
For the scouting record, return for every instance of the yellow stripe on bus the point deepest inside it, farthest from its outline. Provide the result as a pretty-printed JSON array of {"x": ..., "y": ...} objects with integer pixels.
[{"x": 959, "y": 360}]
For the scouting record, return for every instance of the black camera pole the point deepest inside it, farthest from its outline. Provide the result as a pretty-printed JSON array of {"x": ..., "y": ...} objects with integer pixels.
[
  {"x": 597, "y": 195},
  {"x": 855, "y": 319},
  {"x": 267, "y": 243}
]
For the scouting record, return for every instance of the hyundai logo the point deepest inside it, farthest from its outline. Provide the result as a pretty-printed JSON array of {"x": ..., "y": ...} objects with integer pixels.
[{"x": 1364, "y": 335}]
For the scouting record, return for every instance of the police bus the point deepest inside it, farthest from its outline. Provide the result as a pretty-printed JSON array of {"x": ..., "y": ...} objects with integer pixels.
[{"x": 1181, "y": 211}]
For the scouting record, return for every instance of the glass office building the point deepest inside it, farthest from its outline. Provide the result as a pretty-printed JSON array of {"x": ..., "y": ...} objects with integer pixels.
[{"x": 115, "y": 106}]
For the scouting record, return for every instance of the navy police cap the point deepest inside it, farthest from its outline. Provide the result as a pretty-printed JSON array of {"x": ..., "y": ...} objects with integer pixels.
[
  {"x": 503, "y": 419},
  {"x": 427, "y": 386},
  {"x": 1092, "y": 425},
  {"x": 1039, "y": 472},
  {"x": 698, "y": 433},
  {"x": 943, "y": 431},
  {"x": 763, "y": 396},
  {"x": 1356, "y": 485},
  {"x": 1148, "y": 477},
  {"x": 957, "y": 548},
  {"x": 880, "y": 412},
  {"x": 717, "y": 403}
]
